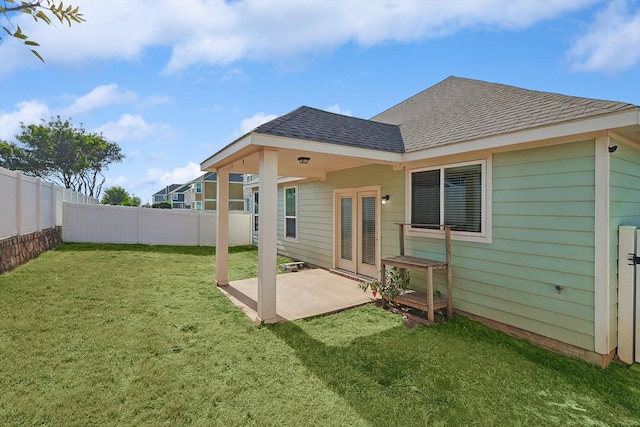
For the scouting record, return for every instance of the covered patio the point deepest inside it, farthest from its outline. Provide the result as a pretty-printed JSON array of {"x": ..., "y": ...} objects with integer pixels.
[
  {"x": 305, "y": 144},
  {"x": 300, "y": 295}
]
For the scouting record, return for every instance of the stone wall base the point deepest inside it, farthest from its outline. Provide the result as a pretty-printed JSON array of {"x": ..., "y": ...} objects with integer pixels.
[
  {"x": 550, "y": 344},
  {"x": 17, "y": 250}
]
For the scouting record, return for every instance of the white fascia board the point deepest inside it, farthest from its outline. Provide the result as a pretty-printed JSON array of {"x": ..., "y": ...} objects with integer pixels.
[
  {"x": 226, "y": 152},
  {"x": 324, "y": 148},
  {"x": 596, "y": 124}
]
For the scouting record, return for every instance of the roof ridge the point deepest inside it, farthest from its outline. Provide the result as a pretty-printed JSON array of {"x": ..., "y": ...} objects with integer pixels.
[{"x": 281, "y": 119}]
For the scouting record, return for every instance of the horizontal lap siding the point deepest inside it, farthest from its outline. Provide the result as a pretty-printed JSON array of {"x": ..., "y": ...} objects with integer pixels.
[
  {"x": 543, "y": 236},
  {"x": 624, "y": 202},
  {"x": 315, "y": 212}
]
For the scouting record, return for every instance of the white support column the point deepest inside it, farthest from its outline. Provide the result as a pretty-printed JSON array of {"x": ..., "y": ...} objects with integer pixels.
[
  {"x": 222, "y": 233},
  {"x": 267, "y": 236},
  {"x": 602, "y": 321}
]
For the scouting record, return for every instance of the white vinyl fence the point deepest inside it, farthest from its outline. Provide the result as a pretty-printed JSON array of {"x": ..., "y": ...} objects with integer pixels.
[
  {"x": 30, "y": 204},
  {"x": 123, "y": 224}
]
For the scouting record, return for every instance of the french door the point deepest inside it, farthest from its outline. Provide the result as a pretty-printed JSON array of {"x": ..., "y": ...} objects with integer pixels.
[{"x": 357, "y": 225}]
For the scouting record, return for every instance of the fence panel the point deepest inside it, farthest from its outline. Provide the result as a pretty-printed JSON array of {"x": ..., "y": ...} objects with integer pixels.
[
  {"x": 59, "y": 201},
  {"x": 31, "y": 204},
  {"x": 99, "y": 224},
  {"x": 8, "y": 209},
  {"x": 209, "y": 229},
  {"x": 239, "y": 228},
  {"x": 168, "y": 227},
  {"x": 29, "y": 207},
  {"x": 47, "y": 205},
  {"x": 119, "y": 224}
]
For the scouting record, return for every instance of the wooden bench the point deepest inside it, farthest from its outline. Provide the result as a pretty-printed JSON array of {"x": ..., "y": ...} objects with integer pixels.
[{"x": 423, "y": 301}]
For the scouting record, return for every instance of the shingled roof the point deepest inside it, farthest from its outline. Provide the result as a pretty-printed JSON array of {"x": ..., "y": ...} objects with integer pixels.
[
  {"x": 459, "y": 109},
  {"x": 311, "y": 124}
]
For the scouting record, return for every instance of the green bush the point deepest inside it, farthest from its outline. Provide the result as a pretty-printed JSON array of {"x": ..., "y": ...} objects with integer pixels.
[{"x": 162, "y": 205}]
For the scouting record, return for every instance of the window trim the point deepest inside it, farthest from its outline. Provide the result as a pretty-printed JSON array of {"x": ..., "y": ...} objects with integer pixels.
[
  {"x": 197, "y": 187},
  {"x": 485, "y": 236},
  {"x": 285, "y": 216},
  {"x": 197, "y": 205}
]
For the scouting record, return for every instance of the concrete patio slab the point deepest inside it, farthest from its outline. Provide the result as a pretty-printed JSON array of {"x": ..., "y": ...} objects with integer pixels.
[{"x": 299, "y": 295}]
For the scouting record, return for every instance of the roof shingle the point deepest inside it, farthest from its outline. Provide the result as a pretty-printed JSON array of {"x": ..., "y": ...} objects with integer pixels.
[
  {"x": 311, "y": 124},
  {"x": 459, "y": 109}
]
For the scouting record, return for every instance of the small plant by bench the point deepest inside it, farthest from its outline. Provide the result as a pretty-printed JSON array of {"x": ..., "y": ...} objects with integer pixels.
[{"x": 397, "y": 281}]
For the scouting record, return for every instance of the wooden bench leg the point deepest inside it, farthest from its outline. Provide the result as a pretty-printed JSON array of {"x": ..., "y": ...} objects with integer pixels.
[
  {"x": 449, "y": 293},
  {"x": 430, "y": 295}
]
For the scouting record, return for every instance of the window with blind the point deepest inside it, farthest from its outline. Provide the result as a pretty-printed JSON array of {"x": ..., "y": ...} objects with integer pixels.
[
  {"x": 450, "y": 196},
  {"x": 290, "y": 213}
]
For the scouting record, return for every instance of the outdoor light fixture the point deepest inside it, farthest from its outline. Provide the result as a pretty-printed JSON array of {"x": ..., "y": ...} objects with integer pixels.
[
  {"x": 304, "y": 160},
  {"x": 385, "y": 199}
]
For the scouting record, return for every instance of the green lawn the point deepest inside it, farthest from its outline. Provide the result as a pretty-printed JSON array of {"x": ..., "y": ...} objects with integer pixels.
[{"x": 138, "y": 335}]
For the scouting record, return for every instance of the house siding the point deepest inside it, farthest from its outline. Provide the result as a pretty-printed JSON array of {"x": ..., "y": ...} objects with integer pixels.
[
  {"x": 543, "y": 202},
  {"x": 316, "y": 212},
  {"x": 543, "y": 237},
  {"x": 624, "y": 204}
]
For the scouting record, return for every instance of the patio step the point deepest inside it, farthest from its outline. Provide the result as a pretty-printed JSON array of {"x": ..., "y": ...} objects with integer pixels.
[{"x": 351, "y": 275}]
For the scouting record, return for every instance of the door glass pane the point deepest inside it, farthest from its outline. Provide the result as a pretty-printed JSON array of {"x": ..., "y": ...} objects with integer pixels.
[
  {"x": 369, "y": 230},
  {"x": 346, "y": 232}
]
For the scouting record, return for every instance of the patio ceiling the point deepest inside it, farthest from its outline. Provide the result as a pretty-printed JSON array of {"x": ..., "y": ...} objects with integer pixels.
[{"x": 242, "y": 156}]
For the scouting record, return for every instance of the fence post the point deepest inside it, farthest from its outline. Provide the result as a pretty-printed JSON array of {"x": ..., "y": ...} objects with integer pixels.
[
  {"x": 39, "y": 204},
  {"x": 138, "y": 225},
  {"x": 19, "y": 202},
  {"x": 53, "y": 214}
]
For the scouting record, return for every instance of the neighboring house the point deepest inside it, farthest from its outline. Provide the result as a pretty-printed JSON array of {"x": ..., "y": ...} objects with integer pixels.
[
  {"x": 163, "y": 194},
  {"x": 204, "y": 192},
  {"x": 180, "y": 197},
  {"x": 535, "y": 183}
]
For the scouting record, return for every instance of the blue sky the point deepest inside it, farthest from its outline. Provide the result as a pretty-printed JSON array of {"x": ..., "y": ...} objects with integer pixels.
[{"x": 173, "y": 82}]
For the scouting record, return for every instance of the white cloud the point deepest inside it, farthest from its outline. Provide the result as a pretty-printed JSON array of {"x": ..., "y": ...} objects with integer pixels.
[
  {"x": 220, "y": 32},
  {"x": 250, "y": 123},
  {"x": 99, "y": 97},
  {"x": 335, "y": 108},
  {"x": 119, "y": 180},
  {"x": 130, "y": 127},
  {"x": 28, "y": 112},
  {"x": 611, "y": 43},
  {"x": 161, "y": 178}
]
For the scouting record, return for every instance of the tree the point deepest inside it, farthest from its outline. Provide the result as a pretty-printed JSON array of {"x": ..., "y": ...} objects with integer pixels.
[
  {"x": 135, "y": 201},
  {"x": 37, "y": 9},
  {"x": 116, "y": 195},
  {"x": 11, "y": 157},
  {"x": 61, "y": 152}
]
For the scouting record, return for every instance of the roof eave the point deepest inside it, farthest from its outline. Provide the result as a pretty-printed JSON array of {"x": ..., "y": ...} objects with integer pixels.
[
  {"x": 254, "y": 142},
  {"x": 592, "y": 125}
]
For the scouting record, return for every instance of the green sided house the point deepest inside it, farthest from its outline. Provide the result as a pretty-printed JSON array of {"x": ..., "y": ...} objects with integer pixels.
[{"x": 534, "y": 185}]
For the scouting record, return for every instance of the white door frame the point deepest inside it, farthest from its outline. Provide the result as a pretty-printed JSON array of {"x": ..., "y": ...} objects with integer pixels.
[{"x": 355, "y": 194}]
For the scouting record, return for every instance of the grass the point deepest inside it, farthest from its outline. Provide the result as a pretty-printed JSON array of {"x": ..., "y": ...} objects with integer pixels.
[{"x": 138, "y": 335}]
